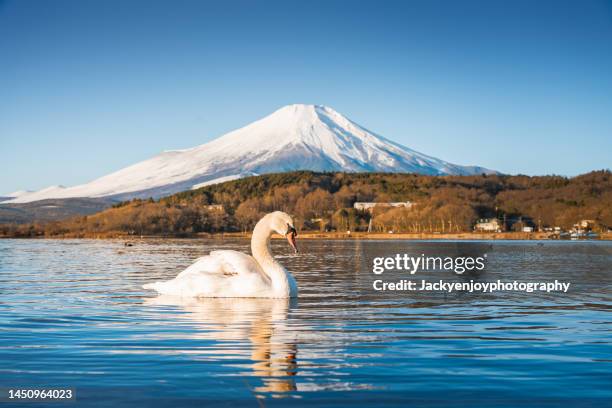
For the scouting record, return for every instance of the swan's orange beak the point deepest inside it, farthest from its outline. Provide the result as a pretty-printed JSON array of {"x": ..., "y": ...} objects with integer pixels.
[{"x": 291, "y": 239}]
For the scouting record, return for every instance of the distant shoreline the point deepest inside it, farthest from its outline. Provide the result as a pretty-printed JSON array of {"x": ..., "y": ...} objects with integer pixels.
[{"x": 313, "y": 235}]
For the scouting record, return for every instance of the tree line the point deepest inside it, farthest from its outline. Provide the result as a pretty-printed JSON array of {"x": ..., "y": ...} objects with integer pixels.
[{"x": 324, "y": 201}]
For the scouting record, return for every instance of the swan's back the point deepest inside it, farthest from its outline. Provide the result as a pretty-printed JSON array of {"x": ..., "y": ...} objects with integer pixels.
[
  {"x": 220, "y": 274},
  {"x": 225, "y": 262}
]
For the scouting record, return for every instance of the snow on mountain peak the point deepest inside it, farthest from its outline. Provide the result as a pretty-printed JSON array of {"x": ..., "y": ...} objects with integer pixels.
[
  {"x": 18, "y": 193},
  {"x": 294, "y": 137}
]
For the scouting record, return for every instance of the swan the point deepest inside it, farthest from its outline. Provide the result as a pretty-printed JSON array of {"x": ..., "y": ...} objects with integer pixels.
[{"x": 232, "y": 274}]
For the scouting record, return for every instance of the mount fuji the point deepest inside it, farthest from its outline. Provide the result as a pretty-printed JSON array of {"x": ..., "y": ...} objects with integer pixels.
[{"x": 295, "y": 137}]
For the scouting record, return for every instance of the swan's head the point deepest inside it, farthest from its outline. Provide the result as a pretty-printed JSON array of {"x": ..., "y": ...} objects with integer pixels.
[{"x": 282, "y": 224}]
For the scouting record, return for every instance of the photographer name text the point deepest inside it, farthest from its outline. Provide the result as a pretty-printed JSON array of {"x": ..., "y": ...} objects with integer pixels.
[{"x": 471, "y": 286}]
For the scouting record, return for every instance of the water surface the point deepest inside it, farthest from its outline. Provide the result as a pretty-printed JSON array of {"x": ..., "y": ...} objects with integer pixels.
[{"x": 72, "y": 313}]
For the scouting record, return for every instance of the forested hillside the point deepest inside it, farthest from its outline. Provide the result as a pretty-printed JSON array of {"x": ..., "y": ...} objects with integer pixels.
[{"x": 325, "y": 201}]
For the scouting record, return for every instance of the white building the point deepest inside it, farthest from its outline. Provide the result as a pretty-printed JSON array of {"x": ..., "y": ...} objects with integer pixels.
[
  {"x": 365, "y": 206},
  {"x": 488, "y": 225},
  {"x": 585, "y": 225}
]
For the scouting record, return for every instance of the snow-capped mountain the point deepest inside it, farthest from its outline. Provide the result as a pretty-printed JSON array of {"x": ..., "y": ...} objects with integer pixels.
[
  {"x": 295, "y": 137},
  {"x": 13, "y": 195},
  {"x": 19, "y": 193}
]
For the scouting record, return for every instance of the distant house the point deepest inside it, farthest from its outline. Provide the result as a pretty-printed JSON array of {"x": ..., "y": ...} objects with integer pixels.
[
  {"x": 519, "y": 224},
  {"x": 369, "y": 206},
  {"x": 215, "y": 207},
  {"x": 488, "y": 225},
  {"x": 585, "y": 225},
  {"x": 527, "y": 229}
]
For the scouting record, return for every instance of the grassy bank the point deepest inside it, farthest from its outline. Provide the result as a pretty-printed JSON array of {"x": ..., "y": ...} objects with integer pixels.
[{"x": 310, "y": 235}]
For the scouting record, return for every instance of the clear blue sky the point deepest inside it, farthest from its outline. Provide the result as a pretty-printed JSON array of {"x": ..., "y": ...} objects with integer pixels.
[{"x": 88, "y": 87}]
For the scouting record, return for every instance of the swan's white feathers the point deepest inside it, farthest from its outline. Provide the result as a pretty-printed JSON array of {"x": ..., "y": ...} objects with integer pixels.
[
  {"x": 226, "y": 262},
  {"x": 219, "y": 274},
  {"x": 237, "y": 263}
]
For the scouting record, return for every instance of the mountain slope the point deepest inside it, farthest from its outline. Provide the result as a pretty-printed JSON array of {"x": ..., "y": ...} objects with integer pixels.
[
  {"x": 295, "y": 137},
  {"x": 51, "y": 209}
]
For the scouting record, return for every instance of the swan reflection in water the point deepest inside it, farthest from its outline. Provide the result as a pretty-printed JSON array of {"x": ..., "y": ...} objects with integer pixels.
[{"x": 258, "y": 322}]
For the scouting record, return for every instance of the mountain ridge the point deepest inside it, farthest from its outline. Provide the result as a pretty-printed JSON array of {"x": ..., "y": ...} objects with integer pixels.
[{"x": 294, "y": 137}]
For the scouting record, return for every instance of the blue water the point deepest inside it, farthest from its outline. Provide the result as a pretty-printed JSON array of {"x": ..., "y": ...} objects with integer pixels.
[{"x": 73, "y": 314}]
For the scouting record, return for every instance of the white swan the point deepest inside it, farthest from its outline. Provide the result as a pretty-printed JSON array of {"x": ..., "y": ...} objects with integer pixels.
[{"x": 234, "y": 274}]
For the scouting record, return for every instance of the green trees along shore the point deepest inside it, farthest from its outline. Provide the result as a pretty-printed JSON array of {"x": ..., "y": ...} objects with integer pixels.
[{"x": 324, "y": 201}]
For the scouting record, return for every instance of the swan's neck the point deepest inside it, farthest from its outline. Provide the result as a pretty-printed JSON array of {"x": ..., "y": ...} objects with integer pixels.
[{"x": 282, "y": 281}]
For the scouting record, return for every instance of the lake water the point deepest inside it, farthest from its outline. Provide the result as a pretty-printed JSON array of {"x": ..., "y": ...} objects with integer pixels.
[{"x": 73, "y": 314}]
